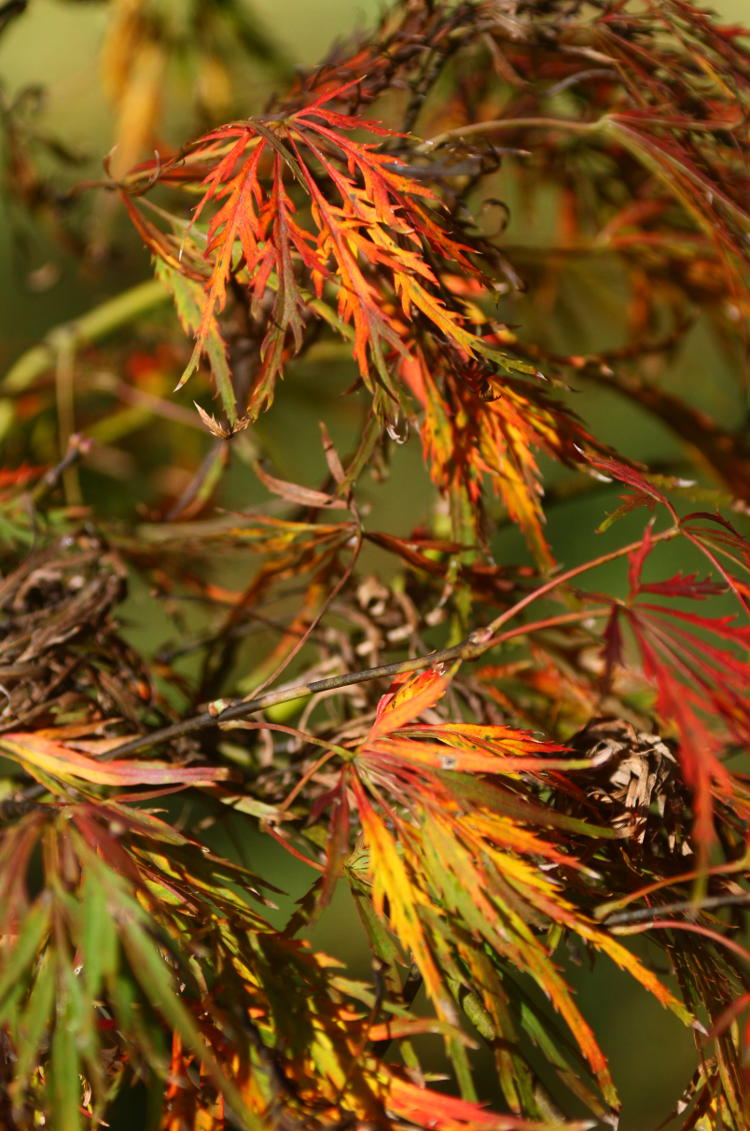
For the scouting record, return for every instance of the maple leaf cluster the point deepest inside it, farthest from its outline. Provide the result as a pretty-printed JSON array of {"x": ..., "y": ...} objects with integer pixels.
[{"x": 506, "y": 759}]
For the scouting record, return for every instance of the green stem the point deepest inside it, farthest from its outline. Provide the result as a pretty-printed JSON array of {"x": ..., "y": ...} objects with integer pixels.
[
  {"x": 98, "y": 323},
  {"x": 65, "y": 391}
]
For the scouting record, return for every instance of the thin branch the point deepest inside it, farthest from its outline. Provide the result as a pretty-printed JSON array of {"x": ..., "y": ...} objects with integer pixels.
[
  {"x": 220, "y": 713},
  {"x": 553, "y": 622},
  {"x": 569, "y": 125},
  {"x": 475, "y": 645},
  {"x": 497, "y": 125},
  {"x": 562, "y": 578},
  {"x": 685, "y": 906},
  {"x": 694, "y": 928},
  {"x": 78, "y": 445}
]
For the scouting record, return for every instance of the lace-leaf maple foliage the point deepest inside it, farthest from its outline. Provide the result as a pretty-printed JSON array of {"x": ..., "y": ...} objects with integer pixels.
[{"x": 506, "y": 762}]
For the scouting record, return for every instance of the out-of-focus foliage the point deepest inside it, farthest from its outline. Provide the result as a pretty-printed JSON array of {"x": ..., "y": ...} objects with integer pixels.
[{"x": 507, "y": 761}]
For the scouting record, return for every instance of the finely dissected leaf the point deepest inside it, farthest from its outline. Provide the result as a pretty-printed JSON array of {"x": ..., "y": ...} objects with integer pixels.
[
  {"x": 676, "y": 166},
  {"x": 493, "y": 822},
  {"x": 468, "y": 439},
  {"x": 448, "y": 1113},
  {"x": 457, "y": 881},
  {"x": 697, "y": 666},
  {"x": 372, "y": 234},
  {"x": 413, "y": 696},
  {"x": 393, "y": 884},
  {"x": 720, "y": 542},
  {"x": 152, "y": 973},
  {"x": 689, "y": 585},
  {"x": 62, "y": 763},
  {"x": 188, "y": 297}
]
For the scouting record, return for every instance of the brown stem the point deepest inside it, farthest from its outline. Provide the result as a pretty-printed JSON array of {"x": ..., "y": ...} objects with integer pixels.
[
  {"x": 683, "y": 906},
  {"x": 78, "y": 445},
  {"x": 467, "y": 649},
  {"x": 471, "y": 648}
]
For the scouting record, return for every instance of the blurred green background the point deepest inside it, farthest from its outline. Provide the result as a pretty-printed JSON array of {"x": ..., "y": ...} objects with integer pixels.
[{"x": 54, "y": 46}]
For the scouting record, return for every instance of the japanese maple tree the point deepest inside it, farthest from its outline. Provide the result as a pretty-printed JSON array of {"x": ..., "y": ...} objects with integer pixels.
[{"x": 370, "y": 641}]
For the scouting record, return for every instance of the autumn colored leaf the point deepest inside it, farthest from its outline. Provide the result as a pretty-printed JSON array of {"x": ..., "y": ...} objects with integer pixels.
[
  {"x": 697, "y": 667},
  {"x": 373, "y": 231},
  {"x": 432, "y": 847},
  {"x": 460, "y": 222},
  {"x": 469, "y": 438},
  {"x": 60, "y": 762}
]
